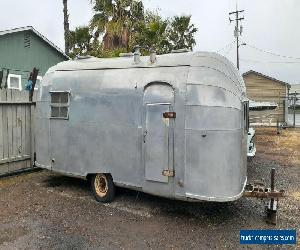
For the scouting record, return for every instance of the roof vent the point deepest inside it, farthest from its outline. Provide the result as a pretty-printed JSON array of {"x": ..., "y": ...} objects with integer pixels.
[
  {"x": 180, "y": 51},
  {"x": 137, "y": 54},
  {"x": 27, "y": 40},
  {"x": 152, "y": 56}
]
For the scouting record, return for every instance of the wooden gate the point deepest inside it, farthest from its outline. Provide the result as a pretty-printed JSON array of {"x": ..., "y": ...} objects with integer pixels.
[{"x": 16, "y": 131}]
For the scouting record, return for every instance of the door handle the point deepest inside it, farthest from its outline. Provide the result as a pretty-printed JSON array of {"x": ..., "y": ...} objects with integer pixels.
[
  {"x": 169, "y": 115},
  {"x": 144, "y": 135}
]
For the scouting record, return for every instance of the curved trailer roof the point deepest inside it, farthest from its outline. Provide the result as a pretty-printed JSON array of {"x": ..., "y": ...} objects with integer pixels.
[{"x": 191, "y": 59}]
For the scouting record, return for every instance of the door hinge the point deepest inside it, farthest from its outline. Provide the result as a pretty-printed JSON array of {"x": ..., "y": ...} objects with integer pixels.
[{"x": 168, "y": 173}]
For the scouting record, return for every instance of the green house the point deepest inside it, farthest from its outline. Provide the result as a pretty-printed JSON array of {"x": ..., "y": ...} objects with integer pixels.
[{"x": 21, "y": 50}]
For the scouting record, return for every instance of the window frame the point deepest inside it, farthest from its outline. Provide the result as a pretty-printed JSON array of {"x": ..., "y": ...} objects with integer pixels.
[
  {"x": 59, "y": 105},
  {"x": 16, "y": 76},
  {"x": 246, "y": 116}
]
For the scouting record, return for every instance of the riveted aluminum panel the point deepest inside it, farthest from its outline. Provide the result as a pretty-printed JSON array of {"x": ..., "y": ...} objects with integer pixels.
[
  {"x": 42, "y": 142},
  {"x": 213, "y": 118},
  {"x": 211, "y": 77},
  {"x": 211, "y": 96},
  {"x": 214, "y": 164}
]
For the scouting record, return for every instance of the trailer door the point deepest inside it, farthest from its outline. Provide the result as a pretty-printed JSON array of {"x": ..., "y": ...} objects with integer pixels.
[
  {"x": 156, "y": 139},
  {"x": 158, "y": 133}
]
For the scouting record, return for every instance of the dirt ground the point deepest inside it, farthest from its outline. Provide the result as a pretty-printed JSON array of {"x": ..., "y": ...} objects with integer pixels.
[{"x": 43, "y": 210}]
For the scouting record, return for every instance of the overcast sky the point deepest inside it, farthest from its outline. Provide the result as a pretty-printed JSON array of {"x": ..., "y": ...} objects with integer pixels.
[{"x": 270, "y": 25}]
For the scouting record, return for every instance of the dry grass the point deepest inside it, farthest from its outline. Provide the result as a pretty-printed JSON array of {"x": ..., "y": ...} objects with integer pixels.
[{"x": 284, "y": 148}]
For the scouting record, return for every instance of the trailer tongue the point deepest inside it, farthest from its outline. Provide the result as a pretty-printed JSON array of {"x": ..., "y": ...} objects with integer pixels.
[{"x": 259, "y": 190}]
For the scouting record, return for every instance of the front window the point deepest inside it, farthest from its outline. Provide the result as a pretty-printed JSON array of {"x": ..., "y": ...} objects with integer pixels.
[{"x": 60, "y": 105}]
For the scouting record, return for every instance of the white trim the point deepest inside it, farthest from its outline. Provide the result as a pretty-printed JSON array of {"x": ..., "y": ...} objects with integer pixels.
[
  {"x": 15, "y": 76},
  {"x": 40, "y": 78}
]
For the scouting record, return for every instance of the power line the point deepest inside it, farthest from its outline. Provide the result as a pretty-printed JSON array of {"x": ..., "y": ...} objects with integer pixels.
[
  {"x": 229, "y": 44},
  {"x": 229, "y": 49},
  {"x": 271, "y": 53},
  {"x": 275, "y": 62}
]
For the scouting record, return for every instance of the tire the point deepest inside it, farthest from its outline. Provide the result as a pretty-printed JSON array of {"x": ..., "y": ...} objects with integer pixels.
[{"x": 103, "y": 188}]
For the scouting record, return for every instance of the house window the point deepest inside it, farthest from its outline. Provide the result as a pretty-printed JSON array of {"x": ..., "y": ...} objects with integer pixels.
[
  {"x": 60, "y": 105},
  {"x": 14, "y": 82}
]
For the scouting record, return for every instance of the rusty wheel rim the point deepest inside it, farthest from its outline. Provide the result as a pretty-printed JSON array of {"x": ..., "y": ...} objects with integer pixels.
[{"x": 101, "y": 185}]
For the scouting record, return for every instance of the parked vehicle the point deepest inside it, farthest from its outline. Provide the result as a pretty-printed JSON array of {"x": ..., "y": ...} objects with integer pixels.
[
  {"x": 173, "y": 125},
  {"x": 250, "y": 142}
]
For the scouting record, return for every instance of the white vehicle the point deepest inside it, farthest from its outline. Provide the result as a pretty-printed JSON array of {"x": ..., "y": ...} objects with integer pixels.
[{"x": 250, "y": 142}]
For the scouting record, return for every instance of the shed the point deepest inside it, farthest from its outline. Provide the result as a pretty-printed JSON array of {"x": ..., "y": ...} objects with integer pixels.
[
  {"x": 266, "y": 89},
  {"x": 21, "y": 50}
]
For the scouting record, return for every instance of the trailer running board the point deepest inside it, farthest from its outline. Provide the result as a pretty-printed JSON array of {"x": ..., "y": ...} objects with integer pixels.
[{"x": 258, "y": 190}]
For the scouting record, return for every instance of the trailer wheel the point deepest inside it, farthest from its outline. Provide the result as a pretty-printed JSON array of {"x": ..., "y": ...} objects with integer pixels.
[{"x": 103, "y": 187}]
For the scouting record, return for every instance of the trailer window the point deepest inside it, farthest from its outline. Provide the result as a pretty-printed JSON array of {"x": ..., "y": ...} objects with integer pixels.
[{"x": 59, "y": 105}]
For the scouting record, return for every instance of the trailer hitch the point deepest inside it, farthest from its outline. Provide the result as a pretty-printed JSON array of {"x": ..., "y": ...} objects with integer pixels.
[{"x": 258, "y": 190}]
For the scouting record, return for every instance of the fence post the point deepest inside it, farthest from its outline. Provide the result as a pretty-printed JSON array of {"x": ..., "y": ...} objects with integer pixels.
[{"x": 295, "y": 98}]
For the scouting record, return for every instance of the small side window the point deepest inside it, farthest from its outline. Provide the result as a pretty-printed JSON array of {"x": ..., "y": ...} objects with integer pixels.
[
  {"x": 14, "y": 82},
  {"x": 60, "y": 105}
]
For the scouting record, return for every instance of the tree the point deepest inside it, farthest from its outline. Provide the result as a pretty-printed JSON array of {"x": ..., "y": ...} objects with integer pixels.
[
  {"x": 114, "y": 19},
  {"x": 119, "y": 25},
  {"x": 182, "y": 32},
  {"x": 66, "y": 26},
  {"x": 152, "y": 33},
  {"x": 80, "y": 42}
]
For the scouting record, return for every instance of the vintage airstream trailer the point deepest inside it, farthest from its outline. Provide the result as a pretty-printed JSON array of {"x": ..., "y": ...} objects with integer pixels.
[{"x": 173, "y": 125}]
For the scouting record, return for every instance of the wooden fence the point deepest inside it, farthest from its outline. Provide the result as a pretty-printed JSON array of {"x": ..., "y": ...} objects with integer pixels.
[{"x": 17, "y": 141}]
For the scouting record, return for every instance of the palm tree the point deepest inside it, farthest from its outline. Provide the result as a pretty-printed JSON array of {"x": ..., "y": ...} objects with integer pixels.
[
  {"x": 152, "y": 33},
  {"x": 182, "y": 33},
  {"x": 66, "y": 26},
  {"x": 115, "y": 20}
]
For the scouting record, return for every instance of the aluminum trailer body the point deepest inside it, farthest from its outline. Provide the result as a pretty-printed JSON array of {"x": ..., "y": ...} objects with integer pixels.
[{"x": 175, "y": 127}]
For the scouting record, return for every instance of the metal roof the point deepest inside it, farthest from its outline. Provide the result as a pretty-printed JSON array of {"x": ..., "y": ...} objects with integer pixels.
[
  {"x": 267, "y": 77},
  {"x": 192, "y": 59},
  {"x": 30, "y": 28},
  {"x": 198, "y": 59}
]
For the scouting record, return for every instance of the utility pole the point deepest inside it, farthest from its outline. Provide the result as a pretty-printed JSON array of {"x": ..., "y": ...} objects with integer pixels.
[
  {"x": 66, "y": 27},
  {"x": 237, "y": 31}
]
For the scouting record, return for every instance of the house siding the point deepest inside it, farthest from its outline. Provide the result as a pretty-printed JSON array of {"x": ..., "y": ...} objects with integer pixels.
[
  {"x": 262, "y": 89},
  {"x": 21, "y": 60}
]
